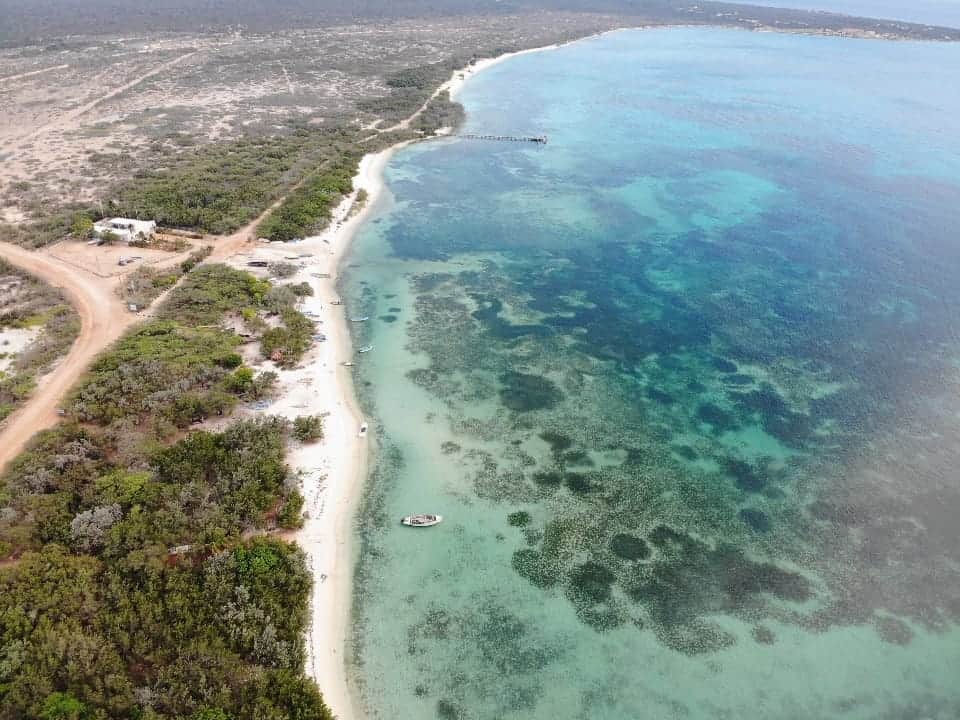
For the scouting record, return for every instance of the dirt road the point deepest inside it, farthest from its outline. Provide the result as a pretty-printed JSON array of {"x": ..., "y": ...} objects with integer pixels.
[
  {"x": 103, "y": 319},
  {"x": 68, "y": 119}
]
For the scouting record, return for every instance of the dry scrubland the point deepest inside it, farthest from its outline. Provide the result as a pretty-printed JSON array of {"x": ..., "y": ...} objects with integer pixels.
[{"x": 82, "y": 116}]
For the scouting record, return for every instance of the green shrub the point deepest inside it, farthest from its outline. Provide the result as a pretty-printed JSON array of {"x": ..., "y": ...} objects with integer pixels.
[
  {"x": 212, "y": 291},
  {"x": 289, "y": 341},
  {"x": 82, "y": 226},
  {"x": 308, "y": 428},
  {"x": 219, "y": 187},
  {"x": 290, "y": 515}
]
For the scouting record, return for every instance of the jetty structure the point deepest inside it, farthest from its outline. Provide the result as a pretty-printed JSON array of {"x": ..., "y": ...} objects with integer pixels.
[{"x": 539, "y": 139}]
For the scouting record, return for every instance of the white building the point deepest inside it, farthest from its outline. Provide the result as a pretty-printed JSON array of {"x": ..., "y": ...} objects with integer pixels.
[{"x": 125, "y": 228}]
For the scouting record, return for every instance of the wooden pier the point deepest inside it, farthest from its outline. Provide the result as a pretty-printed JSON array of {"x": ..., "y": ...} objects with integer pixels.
[{"x": 539, "y": 139}]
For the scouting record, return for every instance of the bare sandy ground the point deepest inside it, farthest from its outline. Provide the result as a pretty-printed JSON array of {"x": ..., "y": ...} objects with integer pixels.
[{"x": 14, "y": 341}]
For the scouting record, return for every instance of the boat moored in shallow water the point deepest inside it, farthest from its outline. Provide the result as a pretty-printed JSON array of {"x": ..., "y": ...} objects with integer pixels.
[
  {"x": 365, "y": 349},
  {"x": 422, "y": 520},
  {"x": 362, "y": 318}
]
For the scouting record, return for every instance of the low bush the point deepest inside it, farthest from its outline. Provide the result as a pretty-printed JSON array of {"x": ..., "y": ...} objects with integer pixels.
[
  {"x": 287, "y": 343},
  {"x": 161, "y": 369},
  {"x": 308, "y": 428},
  {"x": 212, "y": 291}
]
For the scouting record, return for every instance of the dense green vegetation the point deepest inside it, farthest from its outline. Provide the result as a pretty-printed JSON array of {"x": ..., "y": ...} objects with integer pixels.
[
  {"x": 207, "y": 294},
  {"x": 441, "y": 112},
  {"x": 128, "y": 589},
  {"x": 308, "y": 428},
  {"x": 410, "y": 88},
  {"x": 51, "y": 226},
  {"x": 308, "y": 208},
  {"x": 218, "y": 188},
  {"x": 163, "y": 371},
  {"x": 26, "y": 302},
  {"x": 287, "y": 343}
]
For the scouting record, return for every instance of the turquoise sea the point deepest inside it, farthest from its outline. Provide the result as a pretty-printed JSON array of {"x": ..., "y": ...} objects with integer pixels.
[{"x": 684, "y": 382}]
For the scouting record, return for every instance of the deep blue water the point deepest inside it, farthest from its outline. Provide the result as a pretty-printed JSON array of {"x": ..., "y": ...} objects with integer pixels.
[{"x": 685, "y": 383}]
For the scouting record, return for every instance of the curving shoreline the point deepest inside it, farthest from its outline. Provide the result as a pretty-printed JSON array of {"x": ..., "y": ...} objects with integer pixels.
[
  {"x": 333, "y": 493},
  {"x": 334, "y": 470}
]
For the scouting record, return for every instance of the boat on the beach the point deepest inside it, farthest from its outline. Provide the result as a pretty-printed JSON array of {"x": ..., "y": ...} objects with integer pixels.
[
  {"x": 363, "y": 430},
  {"x": 422, "y": 520},
  {"x": 365, "y": 349},
  {"x": 362, "y": 318}
]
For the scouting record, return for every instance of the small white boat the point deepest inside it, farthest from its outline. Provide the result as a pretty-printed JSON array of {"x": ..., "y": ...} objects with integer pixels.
[
  {"x": 362, "y": 318},
  {"x": 363, "y": 430},
  {"x": 365, "y": 349},
  {"x": 422, "y": 520}
]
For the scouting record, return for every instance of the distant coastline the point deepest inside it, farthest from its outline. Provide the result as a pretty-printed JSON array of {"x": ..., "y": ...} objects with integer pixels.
[{"x": 29, "y": 25}]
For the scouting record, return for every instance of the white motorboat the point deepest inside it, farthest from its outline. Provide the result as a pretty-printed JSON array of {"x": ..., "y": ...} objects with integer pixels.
[{"x": 422, "y": 520}]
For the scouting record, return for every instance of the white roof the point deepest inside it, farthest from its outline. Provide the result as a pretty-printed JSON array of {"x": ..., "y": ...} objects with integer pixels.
[{"x": 126, "y": 221}]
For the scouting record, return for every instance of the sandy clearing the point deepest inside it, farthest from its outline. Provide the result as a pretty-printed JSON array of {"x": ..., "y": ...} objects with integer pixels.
[{"x": 14, "y": 341}]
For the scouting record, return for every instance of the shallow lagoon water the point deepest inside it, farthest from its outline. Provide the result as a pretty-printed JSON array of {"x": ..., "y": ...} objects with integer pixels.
[{"x": 684, "y": 383}]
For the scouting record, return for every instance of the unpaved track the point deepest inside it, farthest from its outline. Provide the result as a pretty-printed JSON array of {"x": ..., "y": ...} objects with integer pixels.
[
  {"x": 103, "y": 319},
  {"x": 68, "y": 119},
  {"x": 31, "y": 73},
  {"x": 103, "y": 316}
]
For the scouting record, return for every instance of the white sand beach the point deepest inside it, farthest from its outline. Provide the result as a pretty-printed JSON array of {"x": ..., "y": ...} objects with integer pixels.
[{"x": 332, "y": 470}]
